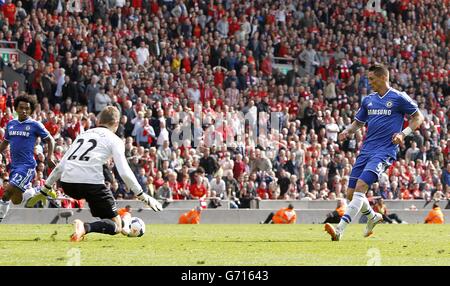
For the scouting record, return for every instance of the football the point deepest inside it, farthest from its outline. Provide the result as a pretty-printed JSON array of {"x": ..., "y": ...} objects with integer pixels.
[{"x": 137, "y": 227}]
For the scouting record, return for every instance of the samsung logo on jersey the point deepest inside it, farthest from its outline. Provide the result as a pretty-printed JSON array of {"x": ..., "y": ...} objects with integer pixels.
[
  {"x": 379, "y": 112},
  {"x": 19, "y": 133}
]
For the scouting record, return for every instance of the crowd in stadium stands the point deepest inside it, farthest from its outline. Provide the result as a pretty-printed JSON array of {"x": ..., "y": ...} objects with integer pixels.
[{"x": 154, "y": 59}]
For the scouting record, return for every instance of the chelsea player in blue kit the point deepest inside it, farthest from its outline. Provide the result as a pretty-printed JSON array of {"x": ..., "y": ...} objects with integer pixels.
[
  {"x": 21, "y": 135},
  {"x": 383, "y": 111}
]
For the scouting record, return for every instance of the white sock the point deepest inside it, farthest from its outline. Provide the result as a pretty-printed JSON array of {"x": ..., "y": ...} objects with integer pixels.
[
  {"x": 352, "y": 210},
  {"x": 4, "y": 208},
  {"x": 126, "y": 221},
  {"x": 367, "y": 210},
  {"x": 28, "y": 194}
]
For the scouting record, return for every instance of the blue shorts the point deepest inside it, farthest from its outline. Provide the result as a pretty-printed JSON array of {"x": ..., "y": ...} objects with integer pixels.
[
  {"x": 376, "y": 163},
  {"x": 21, "y": 177}
]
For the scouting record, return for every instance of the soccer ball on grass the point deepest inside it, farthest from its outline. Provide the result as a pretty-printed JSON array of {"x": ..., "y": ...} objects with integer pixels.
[{"x": 137, "y": 227}]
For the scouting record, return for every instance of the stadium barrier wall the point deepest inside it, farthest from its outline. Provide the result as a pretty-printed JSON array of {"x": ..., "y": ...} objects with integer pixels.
[
  {"x": 276, "y": 204},
  {"x": 209, "y": 216},
  {"x": 328, "y": 205}
]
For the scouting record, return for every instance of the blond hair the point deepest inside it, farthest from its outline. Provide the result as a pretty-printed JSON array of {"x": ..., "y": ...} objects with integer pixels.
[{"x": 108, "y": 116}]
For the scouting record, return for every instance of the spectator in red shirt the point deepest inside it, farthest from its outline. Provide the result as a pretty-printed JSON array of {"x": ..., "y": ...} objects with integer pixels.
[
  {"x": 52, "y": 125},
  {"x": 73, "y": 127},
  {"x": 266, "y": 65},
  {"x": 197, "y": 189},
  {"x": 9, "y": 11},
  {"x": 2, "y": 187},
  {"x": 406, "y": 194},
  {"x": 177, "y": 192},
  {"x": 344, "y": 71},
  {"x": 416, "y": 192},
  {"x": 36, "y": 48},
  {"x": 7, "y": 117},
  {"x": 159, "y": 181},
  {"x": 262, "y": 191},
  {"x": 3, "y": 102},
  {"x": 239, "y": 167}
]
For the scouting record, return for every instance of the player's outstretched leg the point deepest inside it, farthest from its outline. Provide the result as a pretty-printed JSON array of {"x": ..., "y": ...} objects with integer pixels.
[
  {"x": 106, "y": 226},
  {"x": 371, "y": 223},
  {"x": 27, "y": 195},
  {"x": 79, "y": 232},
  {"x": 335, "y": 236},
  {"x": 373, "y": 218},
  {"x": 268, "y": 219},
  {"x": 12, "y": 194},
  {"x": 353, "y": 209},
  {"x": 40, "y": 195},
  {"x": 367, "y": 210}
]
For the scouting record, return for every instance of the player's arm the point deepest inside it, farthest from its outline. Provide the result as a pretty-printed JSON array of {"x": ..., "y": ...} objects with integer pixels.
[
  {"x": 359, "y": 122},
  {"x": 124, "y": 169},
  {"x": 355, "y": 126},
  {"x": 42, "y": 132},
  {"x": 55, "y": 175},
  {"x": 128, "y": 177},
  {"x": 414, "y": 122},
  {"x": 50, "y": 147},
  {"x": 57, "y": 171}
]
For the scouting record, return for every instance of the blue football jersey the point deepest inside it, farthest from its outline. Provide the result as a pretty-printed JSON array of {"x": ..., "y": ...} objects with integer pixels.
[
  {"x": 384, "y": 117},
  {"x": 22, "y": 139}
]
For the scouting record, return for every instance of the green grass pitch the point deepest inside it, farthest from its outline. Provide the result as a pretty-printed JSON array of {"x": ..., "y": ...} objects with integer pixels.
[{"x": 242, "y": 245}]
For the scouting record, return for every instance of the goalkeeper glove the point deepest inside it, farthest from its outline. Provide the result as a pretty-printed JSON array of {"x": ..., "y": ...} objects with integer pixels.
[{"x": 151, "y": 202}]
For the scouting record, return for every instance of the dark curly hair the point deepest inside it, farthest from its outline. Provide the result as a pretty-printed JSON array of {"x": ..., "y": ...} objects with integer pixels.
[{"x": 25, "y": 98}]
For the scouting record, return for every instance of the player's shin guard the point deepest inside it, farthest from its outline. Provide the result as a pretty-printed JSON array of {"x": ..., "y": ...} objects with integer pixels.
[
  {"x": 4, "y": 208},
  {"x": 352, "y": 210},
  {"x": 105, "y": 226},
  {"x": 366, "y": 209}
]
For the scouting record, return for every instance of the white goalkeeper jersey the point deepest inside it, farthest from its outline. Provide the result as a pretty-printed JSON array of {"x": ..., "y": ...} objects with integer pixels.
[{"x": 83, "y": 162}]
